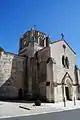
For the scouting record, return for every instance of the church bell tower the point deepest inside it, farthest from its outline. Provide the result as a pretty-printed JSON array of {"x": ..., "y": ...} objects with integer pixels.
[{"x": 32, "y": 41}]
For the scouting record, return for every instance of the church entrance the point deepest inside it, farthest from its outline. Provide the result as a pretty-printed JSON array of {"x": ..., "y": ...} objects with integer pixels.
[
  {"x": 67, "y": 93},
  {"x": 67, "y": 87}
]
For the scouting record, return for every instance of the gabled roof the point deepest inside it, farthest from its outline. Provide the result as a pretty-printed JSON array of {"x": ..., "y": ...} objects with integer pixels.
[
  {"x": 65, "y": 77},
  {"x": 65, "y": 42}
]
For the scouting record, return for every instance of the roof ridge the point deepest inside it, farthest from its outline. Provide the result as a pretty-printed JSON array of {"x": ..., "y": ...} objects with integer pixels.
[{"x": 65, "y": 42}]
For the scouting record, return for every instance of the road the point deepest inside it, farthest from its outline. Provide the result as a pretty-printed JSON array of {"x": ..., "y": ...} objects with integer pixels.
[{"x": 66, "y": 115}]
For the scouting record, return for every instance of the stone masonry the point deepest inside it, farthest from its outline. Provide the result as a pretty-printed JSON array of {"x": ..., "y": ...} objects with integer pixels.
[
  {"x": 12, "y": 73},
  {"x": 42, "y": 68}
]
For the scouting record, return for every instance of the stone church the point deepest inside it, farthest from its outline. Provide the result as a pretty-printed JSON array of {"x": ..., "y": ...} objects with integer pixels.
[{"x": 41, "y": 67}]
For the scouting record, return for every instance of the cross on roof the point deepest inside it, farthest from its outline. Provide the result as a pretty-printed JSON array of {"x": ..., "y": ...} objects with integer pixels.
[
  {"x": 33, "y": 27},
  {"x": 62, "y": 35}
]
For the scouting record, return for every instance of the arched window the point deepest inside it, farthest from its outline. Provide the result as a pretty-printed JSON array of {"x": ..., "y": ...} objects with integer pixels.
[
  {"x": 47, "y": 41},
  {"x": 63, "y": 60},
  {"x": 64, "y": 46},
  {"x": 32, "y": 39},
  {"x": 67, "y": 62},
  {"x": 42, "y": 43}
]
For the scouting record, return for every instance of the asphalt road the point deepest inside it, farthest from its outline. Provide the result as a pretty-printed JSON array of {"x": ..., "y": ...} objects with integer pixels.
[{"x": 66, "y": 115}]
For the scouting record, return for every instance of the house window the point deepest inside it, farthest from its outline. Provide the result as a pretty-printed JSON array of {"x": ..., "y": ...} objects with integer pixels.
[{"x": 63, "y": 60}]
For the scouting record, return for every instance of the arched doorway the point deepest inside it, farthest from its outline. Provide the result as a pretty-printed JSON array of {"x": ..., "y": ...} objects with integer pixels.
[
  {"x": 68, "y": 93},
  {"x": 67, "y": 88}
]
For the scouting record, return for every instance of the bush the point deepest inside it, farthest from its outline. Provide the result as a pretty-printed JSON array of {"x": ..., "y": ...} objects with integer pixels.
[{"x": 38, "y": 103}]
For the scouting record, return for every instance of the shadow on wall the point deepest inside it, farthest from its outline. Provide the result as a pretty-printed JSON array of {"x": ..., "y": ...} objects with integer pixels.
[{"x": 12, "y": 69}]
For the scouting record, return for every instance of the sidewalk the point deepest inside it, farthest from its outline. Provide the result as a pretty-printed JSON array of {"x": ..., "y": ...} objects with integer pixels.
[{"x": 10, "y": 109}]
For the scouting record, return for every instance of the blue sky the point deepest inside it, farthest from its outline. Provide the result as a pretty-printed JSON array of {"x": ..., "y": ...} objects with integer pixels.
[{"x": 49, "y": 16}]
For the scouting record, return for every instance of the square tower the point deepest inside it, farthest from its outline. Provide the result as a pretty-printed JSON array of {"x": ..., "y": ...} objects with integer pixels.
[{"x": 31, "y": 42}]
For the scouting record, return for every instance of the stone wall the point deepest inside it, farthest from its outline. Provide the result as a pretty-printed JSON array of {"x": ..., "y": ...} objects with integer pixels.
[
  {"x": 57, "y": 51},
  {"x": 43, "y": 56},
  {"x": 78, "y": 82},
  {"x": 12, "y": 74},
  {"x": 36, "y": 67}
]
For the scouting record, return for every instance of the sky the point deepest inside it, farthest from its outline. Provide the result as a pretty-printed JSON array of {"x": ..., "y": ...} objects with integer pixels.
[{"x": 50, "y": 16}]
